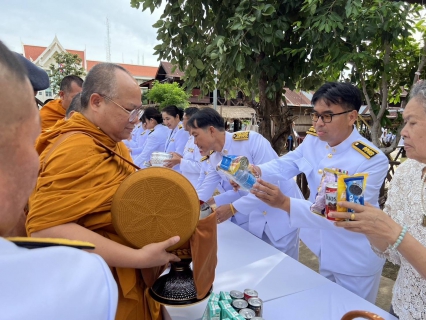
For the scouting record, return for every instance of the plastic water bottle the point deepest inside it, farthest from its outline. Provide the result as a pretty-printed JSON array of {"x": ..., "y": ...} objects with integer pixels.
[{"x": 245, "y": 179}]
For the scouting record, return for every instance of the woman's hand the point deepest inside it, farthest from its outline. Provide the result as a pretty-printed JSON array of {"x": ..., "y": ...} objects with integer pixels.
[
  {"x": 380, "y": 229},
  {"x": 173, "y": 161}
]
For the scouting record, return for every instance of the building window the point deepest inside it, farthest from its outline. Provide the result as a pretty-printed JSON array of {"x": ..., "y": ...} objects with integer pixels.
[
  {"x": 48, "y": 92},
  {"x": 40, "y": 93}
]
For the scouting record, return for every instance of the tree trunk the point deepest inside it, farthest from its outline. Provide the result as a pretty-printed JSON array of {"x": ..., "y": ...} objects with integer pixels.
[{"x": 270, "y": 110}]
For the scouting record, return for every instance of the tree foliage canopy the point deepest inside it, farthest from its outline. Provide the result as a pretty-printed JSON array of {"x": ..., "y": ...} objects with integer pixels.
[
  {"x": 66, "y": 64},
  {"x": 166, "y": 94},
  {"x": 260, "y": 46}
]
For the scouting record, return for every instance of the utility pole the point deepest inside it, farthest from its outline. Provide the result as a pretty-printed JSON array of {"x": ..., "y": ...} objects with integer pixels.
[{"x": 108, "y": 43}]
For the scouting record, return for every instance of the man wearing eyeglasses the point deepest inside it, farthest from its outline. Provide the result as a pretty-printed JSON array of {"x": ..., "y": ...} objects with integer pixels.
[
  {"x": 333, "y": 142},
  {"x": 80, "y": 171}
]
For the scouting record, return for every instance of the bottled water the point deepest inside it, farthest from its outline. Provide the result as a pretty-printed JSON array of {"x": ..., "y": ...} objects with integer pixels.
[{"x": 245, "y": 179}]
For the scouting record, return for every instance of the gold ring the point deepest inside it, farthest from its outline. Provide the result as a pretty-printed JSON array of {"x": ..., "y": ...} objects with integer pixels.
[{"x": 352, "y": 217}]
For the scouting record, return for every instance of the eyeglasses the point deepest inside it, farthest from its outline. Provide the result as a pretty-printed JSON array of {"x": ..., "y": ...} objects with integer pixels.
[
  {"x": 327, "y": 117},
  {"x": 133, "y": 115}
]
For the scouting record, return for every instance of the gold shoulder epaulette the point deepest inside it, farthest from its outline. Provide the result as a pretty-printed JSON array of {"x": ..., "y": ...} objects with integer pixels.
[
  {"x": 143, "y": 133},
  {"x": 34, "y": 243},
  {"x": 365, "y": 150},
  {"x": 206, "y": 157},
  {"x": 241, "y": 135},
  {"x": 152, "y": 130},
  {"x": 312, "y": 131},
  {"x": 180, "y": 126}
]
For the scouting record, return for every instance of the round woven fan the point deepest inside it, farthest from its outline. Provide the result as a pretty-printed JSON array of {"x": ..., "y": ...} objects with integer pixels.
[{"x": 154, "y": 204}]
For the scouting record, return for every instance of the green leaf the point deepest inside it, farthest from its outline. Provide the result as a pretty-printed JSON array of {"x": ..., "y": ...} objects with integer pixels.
[
  {"x": 199, "y": 64},
  {"x": 158, "y": 24},
  {"x": 193, "y": 72},
  {"x": 214, "y": 55},
  {"x": 268, "y": 10}
]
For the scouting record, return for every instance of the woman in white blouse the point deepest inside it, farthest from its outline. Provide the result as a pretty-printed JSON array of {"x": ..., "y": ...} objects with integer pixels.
[
  {"x": 156, "y": 135},
  {"x": 399, "y": 232},
  {"x": 178, "y": 137}
]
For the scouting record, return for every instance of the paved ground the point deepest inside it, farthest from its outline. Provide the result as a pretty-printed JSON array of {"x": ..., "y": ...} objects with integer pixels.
[{"x": 385, "y": 291}]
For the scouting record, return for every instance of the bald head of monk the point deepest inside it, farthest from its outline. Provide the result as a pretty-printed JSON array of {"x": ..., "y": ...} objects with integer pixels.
[
  {"x": 19, "y": 128},
  {"x": 69, "y": 88},
  {"x": 111, "y": 100}
]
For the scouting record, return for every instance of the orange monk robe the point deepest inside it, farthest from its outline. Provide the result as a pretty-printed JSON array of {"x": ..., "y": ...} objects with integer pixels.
[
  {"x": 50, "y": 113},
  {"x": 76, "y": 185}
]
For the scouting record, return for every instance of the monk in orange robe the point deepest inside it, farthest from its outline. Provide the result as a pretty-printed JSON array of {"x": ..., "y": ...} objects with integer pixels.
[
  {"x": 79, "y": 176},
  {"x": 55, "y": 109}
]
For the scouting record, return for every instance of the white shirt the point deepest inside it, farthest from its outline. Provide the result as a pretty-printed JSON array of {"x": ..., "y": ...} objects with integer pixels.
[
  {"x": 258, "y": 150},
  {"x": 404, "y": 206},
  {"x": 55, "y": 283},
  {"x": 190, "y": 164},
  {"x": 176, "y": 142},
  {"x": 341, "y": 251},
  {"x": 154, "y": 142}
]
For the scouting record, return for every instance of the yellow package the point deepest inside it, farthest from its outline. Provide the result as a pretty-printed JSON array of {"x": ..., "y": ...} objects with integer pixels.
[{"x": 341, "y": 188}]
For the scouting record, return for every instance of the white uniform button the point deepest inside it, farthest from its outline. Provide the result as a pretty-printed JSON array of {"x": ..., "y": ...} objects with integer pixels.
[{"x": 264, "y": 213}]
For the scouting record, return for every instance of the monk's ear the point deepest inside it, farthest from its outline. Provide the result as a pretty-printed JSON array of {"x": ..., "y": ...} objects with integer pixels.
[
  {"x": 61, "y": 94},
  {"x": 95, "y": 100}
]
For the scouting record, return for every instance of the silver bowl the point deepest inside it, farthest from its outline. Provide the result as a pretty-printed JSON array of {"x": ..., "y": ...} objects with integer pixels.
[{"x": 158, "y": 158}]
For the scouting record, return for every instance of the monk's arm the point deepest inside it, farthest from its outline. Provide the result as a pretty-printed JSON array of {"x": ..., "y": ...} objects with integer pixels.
[{"x": 114, "y": 254}]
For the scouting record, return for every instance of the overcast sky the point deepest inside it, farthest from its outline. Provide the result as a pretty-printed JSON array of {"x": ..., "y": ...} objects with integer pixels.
[{"x": 81, "y": 24}]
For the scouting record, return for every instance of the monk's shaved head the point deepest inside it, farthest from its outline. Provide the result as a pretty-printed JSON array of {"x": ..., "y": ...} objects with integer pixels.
[{"x": 19, "y": 128}]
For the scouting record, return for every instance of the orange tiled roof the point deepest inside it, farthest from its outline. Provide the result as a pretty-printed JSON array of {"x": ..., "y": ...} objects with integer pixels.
[
  {"x": 168, "y": 69},
  {"x": 33, "y": 52},
  {"x": 135, "y": 70}
]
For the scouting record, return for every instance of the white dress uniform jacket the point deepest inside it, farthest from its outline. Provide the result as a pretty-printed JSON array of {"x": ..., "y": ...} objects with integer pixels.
[
  {"x": 132, "y": 142},
  {"x": 176, "y": 142},
  {"x": 190, "y": 164},
  {"x": 340, "y": 251},
  {"x": 251, "y": 211},
  {"x": 141, "y": 137},
  {"x": 55, "y": 283},
  {"x": 155, "y": 141}
]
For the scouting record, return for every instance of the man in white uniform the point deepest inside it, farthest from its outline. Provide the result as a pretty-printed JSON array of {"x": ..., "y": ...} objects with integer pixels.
[
  {"x": 265, "y": 222},
  {"x": 44, "y": 283},
  {"x": 345, "y": 257},
  {"x": 190, "y": 165}
]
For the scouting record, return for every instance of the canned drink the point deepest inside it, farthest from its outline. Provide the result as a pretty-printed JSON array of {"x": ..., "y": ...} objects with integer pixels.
[
  {"x": 250, "y": 293},
  {"x": 256, "y": 304},
  {"x": 235, "y": 294},
  {"x": 247, "y": 313},
  {"x": 330, "y": 199},
  {"x": 239, "y": 304}
]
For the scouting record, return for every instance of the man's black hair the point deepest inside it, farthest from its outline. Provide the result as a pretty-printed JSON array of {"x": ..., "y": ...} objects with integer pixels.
[
  {"x": 190, "y": 111},
  {"x": 340, "y": 93},
  {"x": 68, "y": 80},
  {"x": 205, "y": 118}
]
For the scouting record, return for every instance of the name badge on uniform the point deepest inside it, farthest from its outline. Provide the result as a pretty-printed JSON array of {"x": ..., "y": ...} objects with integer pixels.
[{"x": 190, "y": 150}]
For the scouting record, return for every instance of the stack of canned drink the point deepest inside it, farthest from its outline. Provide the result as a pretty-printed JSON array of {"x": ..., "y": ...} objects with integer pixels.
[{"x": 234, "y": 305}]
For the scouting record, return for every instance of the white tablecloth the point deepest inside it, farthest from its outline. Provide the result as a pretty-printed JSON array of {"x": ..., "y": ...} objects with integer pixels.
[{"x": 285, "y": 285}]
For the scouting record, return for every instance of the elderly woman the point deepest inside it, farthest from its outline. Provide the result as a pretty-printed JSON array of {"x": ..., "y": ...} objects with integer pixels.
[{"x": 399, "y": 232}]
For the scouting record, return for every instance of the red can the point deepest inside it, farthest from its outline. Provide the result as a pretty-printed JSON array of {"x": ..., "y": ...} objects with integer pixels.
[
  {"x": 330, "y": 199},
  {"x": 249, "y": 293}
]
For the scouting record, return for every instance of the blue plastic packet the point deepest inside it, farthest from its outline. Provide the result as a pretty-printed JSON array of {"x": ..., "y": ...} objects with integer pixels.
[{"x": 355, "y": 190}]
